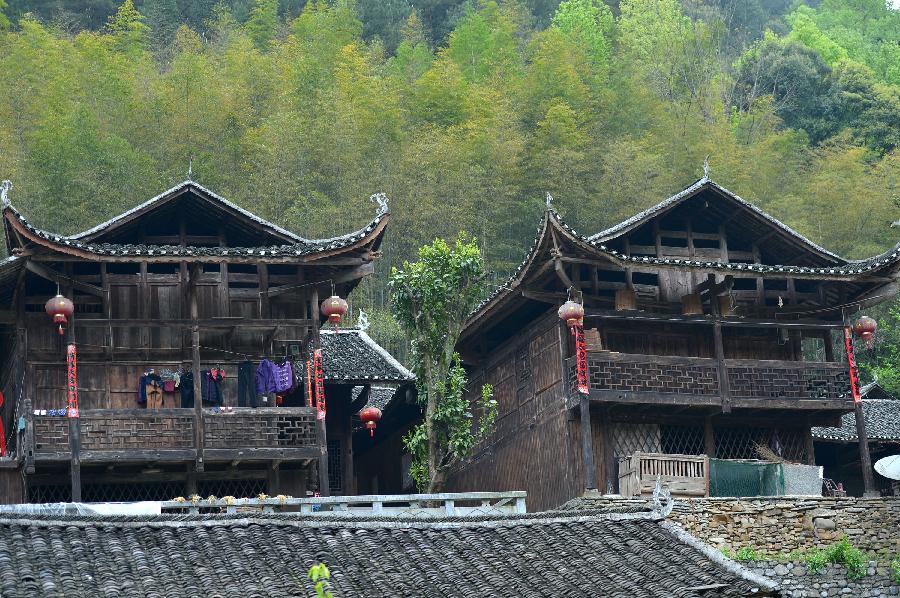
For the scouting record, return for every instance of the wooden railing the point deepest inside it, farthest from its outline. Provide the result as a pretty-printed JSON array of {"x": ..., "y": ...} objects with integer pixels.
[
  {"x": 464, "y": 504},
  {"x": 693, "y": 380},
  {"x": 154, "y": 434}
]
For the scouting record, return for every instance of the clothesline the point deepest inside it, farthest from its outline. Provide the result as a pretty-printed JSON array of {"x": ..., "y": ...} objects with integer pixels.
[{"x": 250, "y": 356}]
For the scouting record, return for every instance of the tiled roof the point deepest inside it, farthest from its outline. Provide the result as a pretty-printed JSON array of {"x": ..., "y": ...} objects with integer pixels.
[
  {"x": 380, "y": 396},
  {"x": 301, "y": 247},
  {"x": 847, "y": 269},
  {"x": 690, "y": 191},
  {"x": 882, "y": 419},
  {"x": 351, "y": 354},
  {"x": 544, "y": 554}
]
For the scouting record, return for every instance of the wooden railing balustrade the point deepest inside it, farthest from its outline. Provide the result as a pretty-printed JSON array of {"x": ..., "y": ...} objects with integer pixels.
[
  {"x": 169, "y": 434},
  {"x": 694, "y": 380}
]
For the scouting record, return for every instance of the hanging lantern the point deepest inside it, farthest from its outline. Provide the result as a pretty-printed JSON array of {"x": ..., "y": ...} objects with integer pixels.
[
  {"x": 60, "y": 309},
  {"x": 865, "y": 328},
  {"x": 334, "y": 307},
  {"x": 572, "y": 313},
  {"x": 370, "y": 416}
]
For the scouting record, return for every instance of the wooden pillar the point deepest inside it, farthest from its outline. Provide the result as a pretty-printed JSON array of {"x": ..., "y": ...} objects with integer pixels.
[
  {"x": 74, "y": 422},
  {"x": 196, "y": 269},
  {"x": 349, "y": 485},
  {"x": 610, "y": 473},
  {"x": 709, "y": 438},
  {"x": 587, "y": 445},
  {"x": 724, "y": 386},
  {"x": 829, "y": 345},
  {"x": 262, "y": 270},
  {"x": 324, "y": 489},
  {"x": 808, "y": 441},
  {"x": 29, "y": 436},
  {"x": 273, "y": 479},
  {"x": 144, "y": 308},
  {"x": 865, "y": 459},
  {"x": 190, "y": 481}
]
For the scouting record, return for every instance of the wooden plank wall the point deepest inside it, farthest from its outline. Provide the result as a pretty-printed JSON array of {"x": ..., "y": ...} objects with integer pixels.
[{"x": 532, "y": 447}]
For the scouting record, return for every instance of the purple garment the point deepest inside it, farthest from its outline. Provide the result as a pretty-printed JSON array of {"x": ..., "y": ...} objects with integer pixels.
[
  {"x": 265, "y": 377},
  {"x": 284, "y": 377},
  {"x": 271, "y": 377}
]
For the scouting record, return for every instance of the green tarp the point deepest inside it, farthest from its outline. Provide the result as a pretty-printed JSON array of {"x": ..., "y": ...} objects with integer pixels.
[{"x": 745, "y": 478}]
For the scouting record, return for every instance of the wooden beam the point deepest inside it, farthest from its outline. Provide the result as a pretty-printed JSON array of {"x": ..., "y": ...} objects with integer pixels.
[
  {"x": 347, "y": 276},
  {"x": 724, "y": 386},
  {"x": 60, "y": 279}
]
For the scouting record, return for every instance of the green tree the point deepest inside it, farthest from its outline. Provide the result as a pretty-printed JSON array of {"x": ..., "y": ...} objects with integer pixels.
[
  {"x": 4, "y": 20},
  {"x": 431, "y": 299},
  {"x": 591, "y": 23},
  {"x": 128, "y": 29},
  {"x": 263, "y": 23},
  {"x": 163, "y": 18}
]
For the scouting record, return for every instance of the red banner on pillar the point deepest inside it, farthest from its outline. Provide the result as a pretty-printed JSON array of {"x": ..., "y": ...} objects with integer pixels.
[
  {"x": 851, "y": 362},
  {"x": 71, "y": 381},
  {"x": 320, "y": 383},
  {"x": 581, "y": 375}
]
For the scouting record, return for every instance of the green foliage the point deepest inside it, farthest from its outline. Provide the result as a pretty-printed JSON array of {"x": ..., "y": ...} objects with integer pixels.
[
  {"x": 841, "y": 552},
  {"x": 127, "y": 28},
  {"x": 747, "y": 553},
  {"x": 319, "y": 575},
  {"x": 590, "y": 22},
  {"x": 263, "y": 23},
  {"x": 4, "y": 20},
  {"x": 431, "y": 299},
  {"x": 895, "y": 569}
]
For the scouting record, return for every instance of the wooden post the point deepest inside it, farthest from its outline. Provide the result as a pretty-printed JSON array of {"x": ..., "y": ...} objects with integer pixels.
[
  {"x": 324, "y": 489},
  {"x": 709, "y": 438},
  {"x": 829, "y": 345},
  {"x": 273, "y": 479},
  {"x": 724, "y": 386},
  {"x": 587, "y": 445},
  {"x": 74, "y": 422},
  {"x": 263, "y": 271},
  {"x": 29, "y": 436},
  {"x": 190, "y": 481},
  {"x": 810, "y": 445},
  {"x": 865, "y": 460},
  {"x": 609, "y": 454},
  {"x": 195, "y": 365}
]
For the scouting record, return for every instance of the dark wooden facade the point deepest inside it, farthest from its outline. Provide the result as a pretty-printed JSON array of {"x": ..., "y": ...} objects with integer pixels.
[
  {"x": 186, "y": 280},
  {"x": 759, "y": 361}
]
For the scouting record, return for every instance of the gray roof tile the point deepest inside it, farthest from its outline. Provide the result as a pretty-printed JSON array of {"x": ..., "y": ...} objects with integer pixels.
[{"x": 545, "y": 554}]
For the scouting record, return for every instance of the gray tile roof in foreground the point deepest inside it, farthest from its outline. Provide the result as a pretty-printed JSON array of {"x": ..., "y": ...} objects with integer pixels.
[
  {"x": 351, "y": 354},
  {"x": 542, "y": 554},
  {"x": 882, "y": 417}
]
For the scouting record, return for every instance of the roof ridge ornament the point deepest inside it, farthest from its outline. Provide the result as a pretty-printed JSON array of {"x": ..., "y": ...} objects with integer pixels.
[
  {"x": 362, "y": 321},
  {"x": 549, "y": 201},
  {"x": 190, "y": 175},
  {"x": 706, "y": 167},
  {"x": 382, "y": 200},
  {"x": 661, "y": 493},
  {"x": 5, "y": 187}
]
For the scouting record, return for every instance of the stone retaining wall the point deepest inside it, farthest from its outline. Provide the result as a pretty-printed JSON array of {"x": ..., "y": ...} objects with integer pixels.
[
  {"x": 797, "y": 582},
  {"x": 779, "y": 525}
]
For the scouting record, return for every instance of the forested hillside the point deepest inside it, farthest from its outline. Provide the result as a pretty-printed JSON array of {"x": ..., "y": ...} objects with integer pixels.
[{"x": 464, "y": 113}]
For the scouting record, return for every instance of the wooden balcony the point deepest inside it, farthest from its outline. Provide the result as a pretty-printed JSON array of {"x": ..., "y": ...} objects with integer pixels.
[
  {"x": 689, "y": 381},
  {"x": 136, "y": 435}
]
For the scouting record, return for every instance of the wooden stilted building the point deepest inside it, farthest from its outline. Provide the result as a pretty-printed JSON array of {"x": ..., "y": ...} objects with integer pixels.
[
  {"x": 186, "y": 282},
  {"x": 711, "y": 329}
]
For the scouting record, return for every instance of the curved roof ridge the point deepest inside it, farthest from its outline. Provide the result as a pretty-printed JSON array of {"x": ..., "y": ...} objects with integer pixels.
[{"x": 689, "y": 191}]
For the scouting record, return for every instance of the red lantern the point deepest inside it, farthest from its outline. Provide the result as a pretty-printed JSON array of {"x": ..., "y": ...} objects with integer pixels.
[
  {"x": 334, "y": 307},
  {"x": 572, "y": 313},
  {"x": 865, "y": 328},
  {"x": 60, "y": 309},
  {"x": 370, "y": 416}
]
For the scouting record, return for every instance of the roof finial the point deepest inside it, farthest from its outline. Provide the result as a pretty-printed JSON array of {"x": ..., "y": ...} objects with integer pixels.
[
  {"x": 362, "y": 322},
  {"x": 706, "y": 167},
  {"x": 5, "y": 186},
  {"x": 549, "y": 200},
  {"x": 381, "y": 199},
  {"x": 190, "y": 168}
]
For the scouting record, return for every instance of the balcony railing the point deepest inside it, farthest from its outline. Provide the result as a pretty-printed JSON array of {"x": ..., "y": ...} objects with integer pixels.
[
  {"x": 170, "y": 434},
  {"x": 688, "y": 380}
]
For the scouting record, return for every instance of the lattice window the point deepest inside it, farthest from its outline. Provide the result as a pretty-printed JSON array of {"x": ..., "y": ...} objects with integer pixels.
[
  {"x": 46, "y": 493},
  {"x": 741, "y": 443},
  {"x": 656, "y": 438},
  {"x": 131, "y": 492},
  {"x": 335, "y": 467},
  {"x": 236, "y": 488}
]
